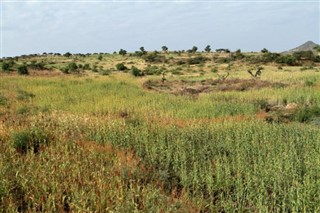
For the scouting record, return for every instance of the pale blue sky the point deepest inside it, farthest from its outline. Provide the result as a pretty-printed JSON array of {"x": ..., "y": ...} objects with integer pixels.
[{"x": 81, "y": 27}]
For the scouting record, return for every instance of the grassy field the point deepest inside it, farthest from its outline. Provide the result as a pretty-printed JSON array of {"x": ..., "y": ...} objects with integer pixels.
[{"x": 100, "y": 140}]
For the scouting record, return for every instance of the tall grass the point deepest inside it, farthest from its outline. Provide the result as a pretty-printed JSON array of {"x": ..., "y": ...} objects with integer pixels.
[
  {"x": 116, "y": 147},
  {"x": 249, "y": 166}
]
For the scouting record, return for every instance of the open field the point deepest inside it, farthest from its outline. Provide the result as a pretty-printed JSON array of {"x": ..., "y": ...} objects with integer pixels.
[{"x": 180, "y": 136}]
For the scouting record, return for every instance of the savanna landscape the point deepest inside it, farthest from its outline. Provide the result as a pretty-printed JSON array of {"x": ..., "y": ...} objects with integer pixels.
[{"x": 196, "y": 130}]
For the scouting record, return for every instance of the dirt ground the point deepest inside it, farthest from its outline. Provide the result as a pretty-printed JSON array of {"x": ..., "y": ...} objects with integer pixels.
[{"x": 183, "y": 87}]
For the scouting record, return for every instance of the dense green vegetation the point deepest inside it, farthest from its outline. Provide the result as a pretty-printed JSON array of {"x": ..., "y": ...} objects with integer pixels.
[{"x": 82, "y": 134}]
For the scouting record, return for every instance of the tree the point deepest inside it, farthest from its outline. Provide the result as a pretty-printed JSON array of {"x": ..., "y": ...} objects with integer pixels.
[
  {"x": 207, "y": 49},
  {"x": 67, "y": 54},
  {"x": 164, "y": 48},
  {"x": 194, "y": 49},
  {"x": 23, "y": 70},
  {"x": 143, "y": 50},
  {"x": 264, "y": 50},
  {"x": 122, "y": 52}
]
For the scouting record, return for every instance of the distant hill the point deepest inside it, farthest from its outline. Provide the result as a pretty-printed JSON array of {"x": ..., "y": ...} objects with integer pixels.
[{"x": 309, "y": 45}]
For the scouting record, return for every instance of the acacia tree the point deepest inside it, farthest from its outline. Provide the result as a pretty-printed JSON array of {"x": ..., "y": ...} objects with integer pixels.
[
  {"x": 143, "y": 51},
  {"x": 164, "y": 48},
  {"x": 194, "y": 49},
  {"x": 67, "y": 54},
  {"x": 207, "y": 49},
  {"x": 122, "y": 52}
]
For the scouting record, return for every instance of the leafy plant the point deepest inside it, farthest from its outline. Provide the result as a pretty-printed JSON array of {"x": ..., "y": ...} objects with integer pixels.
[
  {"x": 26, "y": 139},
  {"x": 7, "y": 65},
  {"x": 121, "y": 67},
  {"x": 136, "y": 72},
  {"x": 23, "y": 70}
]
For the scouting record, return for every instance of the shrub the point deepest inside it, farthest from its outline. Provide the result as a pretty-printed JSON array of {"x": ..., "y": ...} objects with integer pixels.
[
  {"x": 95, "y": 68},
  {"x": 154, "y": 70},
  {"x": 197, "y": 60},
  {"x": 37, "y": 65},
  {"x": 154, "y": 58},
  {"x": 261, "y": 103},
  {"x": 214, "y": 69},
  {"x": 306, "y": 114},
  {"x": 71, "y": 67},
  {"x": 21, "y": 141},
  {"x": 287, "y": 59},
  {"x": 122, "y": 52},
  {"x": 29, "y": 139},
  {"x": 7, "y": 65},
  {"x": 304, "y": 55},
  {"x": 3, "y": 100},
  {"x": 23, "y": 70},
  {"x": 136, "y": 72},
  {"x": 86, "y": 67},
  {"x": 121, "y": 67}
]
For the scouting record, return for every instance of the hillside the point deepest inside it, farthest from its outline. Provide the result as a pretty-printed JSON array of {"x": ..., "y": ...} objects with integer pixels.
[{"x": 309, "y": 45}]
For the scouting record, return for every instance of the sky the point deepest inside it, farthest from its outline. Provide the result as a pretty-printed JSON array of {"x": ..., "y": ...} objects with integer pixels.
[{"x": 89, "y": 26}]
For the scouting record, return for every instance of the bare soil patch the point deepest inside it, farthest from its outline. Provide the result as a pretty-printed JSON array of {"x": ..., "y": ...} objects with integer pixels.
[{"x": 189, "y": 87}]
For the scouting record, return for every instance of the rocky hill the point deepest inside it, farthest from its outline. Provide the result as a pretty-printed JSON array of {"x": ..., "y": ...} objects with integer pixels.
[{"x": 309, "y": 45}]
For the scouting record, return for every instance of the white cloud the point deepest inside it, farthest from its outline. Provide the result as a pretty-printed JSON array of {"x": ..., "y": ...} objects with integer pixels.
[{"x": 105, "y": 27}]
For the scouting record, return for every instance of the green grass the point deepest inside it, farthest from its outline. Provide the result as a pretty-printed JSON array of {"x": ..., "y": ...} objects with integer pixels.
[{"x": 116, "y": 147}]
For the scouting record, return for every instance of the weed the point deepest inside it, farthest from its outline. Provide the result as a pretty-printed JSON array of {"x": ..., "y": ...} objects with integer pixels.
[
  {"x": 30, "y": 138},
  {"x": 3, "y": 100}
]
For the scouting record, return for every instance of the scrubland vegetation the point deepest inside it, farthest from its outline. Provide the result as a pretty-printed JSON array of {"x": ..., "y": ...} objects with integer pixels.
[{"x": 169, "y": 131}]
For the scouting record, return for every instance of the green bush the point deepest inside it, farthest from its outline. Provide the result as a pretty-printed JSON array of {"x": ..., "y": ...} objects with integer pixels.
[
  {"x": 154, "y": 70},
  {"x": 37, "y": 65},
  {"x": 121, "y": 67},
  {"x": 306, "y": 114},
  {"x": 23, "y": 70},
  {"x": 21, "y": 141},
  {"x": 70, "y": 68},
  {"x": 3, "y": 100},
  {"x": 154, "y": 58},
  {"x": 197, "y": 60},
  {"x": 7, "y": 65},
  {"x": 28, "y": 139},
  {"x": 86, "y": 67},
  {"x": 287, "y": 59},
  {"x": 136, "y": 72}
]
